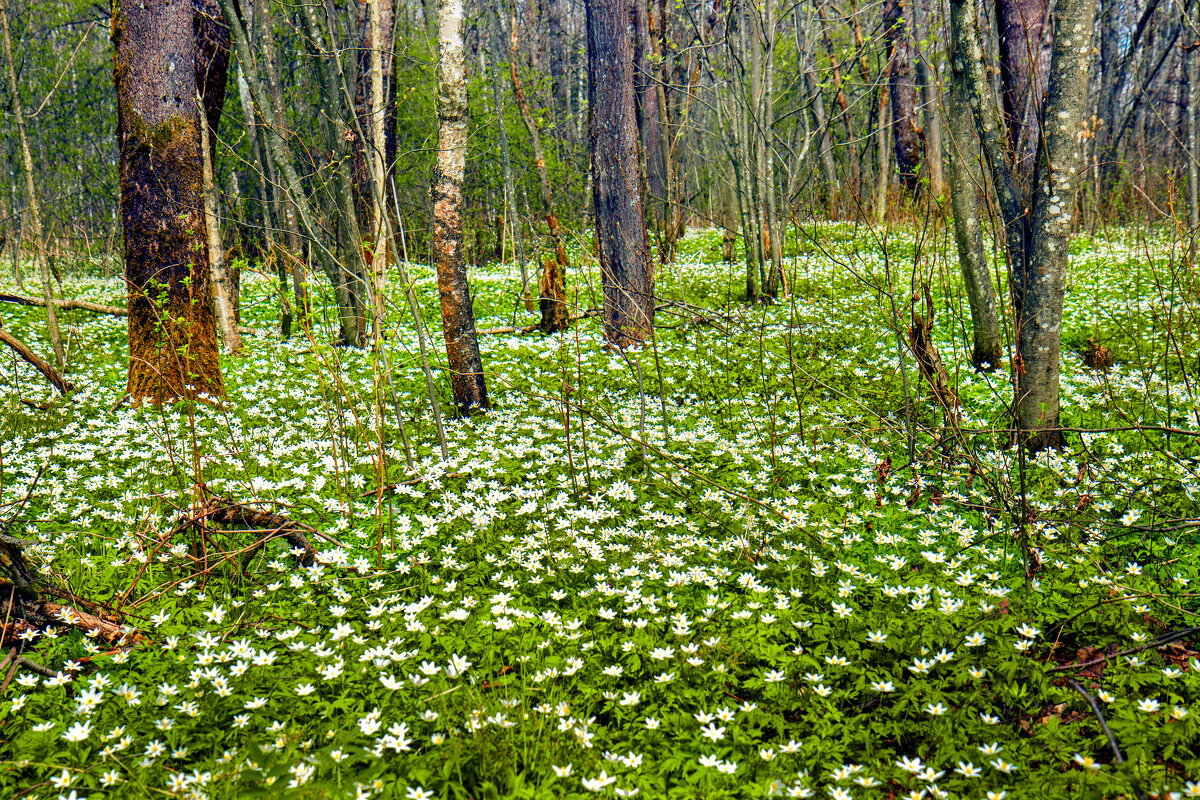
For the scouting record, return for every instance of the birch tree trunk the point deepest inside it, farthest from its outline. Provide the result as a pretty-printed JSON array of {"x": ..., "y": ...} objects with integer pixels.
[
  {"x": 35, "y": 206},
  {"x": 613, "y": 141},
  {"x": 172, "y": 335},
  {"x": 458, "y": 317}
]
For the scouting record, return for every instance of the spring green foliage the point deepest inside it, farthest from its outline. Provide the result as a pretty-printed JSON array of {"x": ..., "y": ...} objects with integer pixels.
[{"x": 758, "y": 602}]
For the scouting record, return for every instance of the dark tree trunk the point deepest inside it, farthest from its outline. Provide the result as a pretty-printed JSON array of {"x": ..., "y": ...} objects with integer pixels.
[
  {"x": 897, "y": 27},
  {"x": 172, "y": 331},
  {"x": 1025, "y": 39},
  {"x": 613, "y": 140},
  {"x": 458, "y": 317}
]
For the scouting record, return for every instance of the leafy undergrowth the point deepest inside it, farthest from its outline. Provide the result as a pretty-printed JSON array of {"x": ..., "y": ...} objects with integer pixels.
[{"x": 734, "y": 585}]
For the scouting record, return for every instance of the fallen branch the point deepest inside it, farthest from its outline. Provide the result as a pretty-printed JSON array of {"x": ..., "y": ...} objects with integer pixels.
[
  {"x": 85, "y": 305},
  {"x": 237, "y": 516},
  {"x": 81, "y": 305},
  {"x": 63, "y": 385},
  {"x": 591, "y": 312}
]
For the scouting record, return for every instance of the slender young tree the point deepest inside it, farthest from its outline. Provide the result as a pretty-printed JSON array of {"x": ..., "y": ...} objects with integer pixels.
[
  {"x": 34, "y": 203},
  {"x": 458, "y": 317},
  {"x": 172, "y": 332},
  {"x": 613, "y": 141},
  {"x": 986, "y": 350},
  {"x": 212, "y": 75}
]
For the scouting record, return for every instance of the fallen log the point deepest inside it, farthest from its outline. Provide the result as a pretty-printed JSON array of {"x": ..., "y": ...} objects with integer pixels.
[
  {"x": 229, "y": 514},
  {"x": 63, "y": 385}
]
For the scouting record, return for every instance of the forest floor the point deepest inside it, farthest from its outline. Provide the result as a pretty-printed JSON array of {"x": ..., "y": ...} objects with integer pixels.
[{"x": 757, "y": 575}]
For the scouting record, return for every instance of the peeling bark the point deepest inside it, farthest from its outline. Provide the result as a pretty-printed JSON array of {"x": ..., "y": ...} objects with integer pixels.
[{"x": 458, "y": 317}]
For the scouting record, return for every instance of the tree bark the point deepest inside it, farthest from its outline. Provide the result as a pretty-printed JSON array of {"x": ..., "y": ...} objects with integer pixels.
[
  {"x": 613, "y": 141},
  {"x": 31, "y": 193},
  {"x": 1038, "y": 287},
  {"x": 1192, "y": 62},
  {"x": 552, "y": 289},
  {"x": 510, "y": 219},
  {"x": 897, "y": 28},
  {"x": 284, "y": 202},
  {"x": 458, "y": 317},
  {"x": 986, "y": 350},
  {"x": 350, "y": 276},
  {"x": 172, "y": 335},
  {"x": 223, "y": 301}
]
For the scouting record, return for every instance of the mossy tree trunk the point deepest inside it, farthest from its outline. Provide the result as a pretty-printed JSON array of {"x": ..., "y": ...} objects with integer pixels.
[
  {"x": 172, "y": 331},
  {"x": 986, "y": 350},
  {"x": 613, "y": 140},
  {"x": 458, "y": 317},
  {"x": 1035, "y": 160}
]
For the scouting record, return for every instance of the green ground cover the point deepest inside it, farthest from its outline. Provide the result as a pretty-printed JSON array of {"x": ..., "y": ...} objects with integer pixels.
[{"x": 733, "y": 583}]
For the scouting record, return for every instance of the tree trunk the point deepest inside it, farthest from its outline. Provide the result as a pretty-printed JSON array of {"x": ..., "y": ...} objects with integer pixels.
[
  {"x": 510, "y": 219},
  {"x": 373, "y": 77},
  {"x": 1038, "y": 288},
  {"x": 222, "y": 285},
  {"x": 172, "y": 335},
  {"x": 620, "y": 221},
  {"x": 1036, "y": 198},
  {"x": 283, "y": 199},
  {"x": 767, "y": 124},
  {"x": 927, "y": 79},
  {"x": 986, "y": 351},
  {"x": 552, "y": 289},
  {"x": 1193, "y": 150},
  {"x": 883, "y": 174},
  {"x": 897, "y": 28},
  {"x": 458, "y": 317},
  {"x": 35, "y": 206},
  {"x": 830, "y": 186},
  {"x": 350, "y": 276}
]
